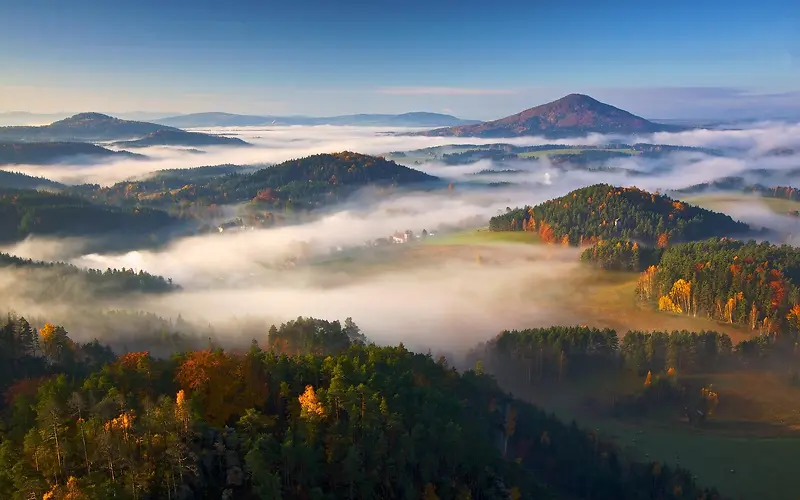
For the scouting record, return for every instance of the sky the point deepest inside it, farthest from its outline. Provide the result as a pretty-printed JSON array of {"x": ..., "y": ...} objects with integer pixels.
[{"x": 474, "y": 59}]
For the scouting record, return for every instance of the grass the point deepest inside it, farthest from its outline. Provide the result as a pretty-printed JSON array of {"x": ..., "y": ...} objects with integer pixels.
[{"x": 483, "y": 237}]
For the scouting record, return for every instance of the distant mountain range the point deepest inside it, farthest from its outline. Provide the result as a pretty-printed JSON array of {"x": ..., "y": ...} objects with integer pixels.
[
  {"x": 16, "y": 118},
  {"x": 47, "y": 153},
  {"x": 414, "y": 119},
  {"x": 97, "y": 127},
  {"x": 83, "y": 127},
  {"x": 572, "y": 115}
]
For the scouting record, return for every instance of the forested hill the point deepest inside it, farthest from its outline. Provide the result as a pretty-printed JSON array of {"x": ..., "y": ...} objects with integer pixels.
[
  {"x": 44, "y": 153},
  {"x": 345, "y": 168},
  {"x": 603, "y": 211},
  {"x": 317, "y": 179},
  {"x": 301, "y": 183},
  {"x": 348, "y": 421},
  {"x": 24, "y": 212},
  {"x": 83, "y": 127}
]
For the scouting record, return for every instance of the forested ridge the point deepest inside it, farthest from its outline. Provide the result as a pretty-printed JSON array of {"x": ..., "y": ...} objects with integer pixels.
[
  {"x": 351, "y": 420},
  {"x": 602, "y": 211},
  {"x": 299, "y": 184}
]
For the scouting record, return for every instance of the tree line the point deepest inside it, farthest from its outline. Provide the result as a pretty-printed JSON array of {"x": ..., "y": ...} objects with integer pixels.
[
  {"x": 747, "y": 283},
  {"x": 568, "y": 353}
]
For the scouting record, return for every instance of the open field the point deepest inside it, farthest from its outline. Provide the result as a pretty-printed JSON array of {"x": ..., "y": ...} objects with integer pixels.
[
  {"x": 741, "y": 447},
  {"x": 723, "y": 202},
  {"x": 572, "y": 151}
]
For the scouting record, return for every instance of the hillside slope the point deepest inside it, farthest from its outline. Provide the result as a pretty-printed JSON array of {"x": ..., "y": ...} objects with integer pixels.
[
  {"x": 575, "y": 114},
  {"x": 603, "y": 211}
]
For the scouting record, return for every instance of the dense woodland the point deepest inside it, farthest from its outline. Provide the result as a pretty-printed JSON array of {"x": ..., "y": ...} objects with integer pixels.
[
  {"x": 355, "y": 421},
  {"x": 601, "y": 211},
  {"x": 569, "y": 353},
  {"x": 25, "y": 212},
  {"x": 748, "y": 283}
]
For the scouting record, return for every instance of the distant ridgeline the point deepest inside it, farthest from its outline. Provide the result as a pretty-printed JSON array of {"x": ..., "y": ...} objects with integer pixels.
[
  {"x": 59, "y": 280},
  {"x": 24, "y": 212},
  {"x": 603, "y": 211},
  {"x": 295, "y": 184},
  {"x": 558, "y": 153}
]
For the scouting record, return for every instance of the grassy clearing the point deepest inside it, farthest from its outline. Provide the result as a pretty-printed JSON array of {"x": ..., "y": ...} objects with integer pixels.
[
  {"x": 483, "y": 237},
  {"x": 609, "y": 298},
  {"x": 737, "y": 456}
]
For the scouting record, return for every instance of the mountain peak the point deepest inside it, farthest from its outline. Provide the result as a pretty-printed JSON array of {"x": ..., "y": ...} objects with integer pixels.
[
  {"x": 570, "y": 116},
  {"x": 80, "y": 117}
]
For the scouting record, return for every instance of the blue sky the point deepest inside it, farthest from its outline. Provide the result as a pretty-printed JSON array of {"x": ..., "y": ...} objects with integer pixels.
[{"x": 474, "y": 59}]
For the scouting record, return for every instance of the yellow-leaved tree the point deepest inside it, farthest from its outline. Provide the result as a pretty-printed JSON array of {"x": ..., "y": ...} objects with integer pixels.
[{"x": 310, "y": 406}]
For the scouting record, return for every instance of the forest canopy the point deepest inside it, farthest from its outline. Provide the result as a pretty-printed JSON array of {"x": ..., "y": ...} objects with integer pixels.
[{"x": 359, "y": 421}]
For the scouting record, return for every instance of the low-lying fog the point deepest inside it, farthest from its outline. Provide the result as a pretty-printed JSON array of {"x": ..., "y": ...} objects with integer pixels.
[
  {"x": 748, "y": 149},
  {"x": 427, "y": 296}
]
